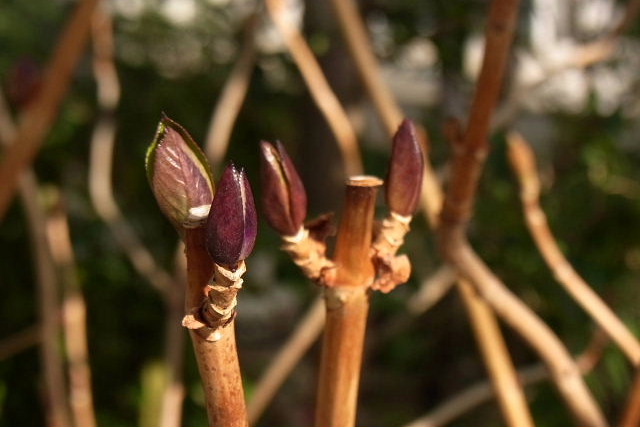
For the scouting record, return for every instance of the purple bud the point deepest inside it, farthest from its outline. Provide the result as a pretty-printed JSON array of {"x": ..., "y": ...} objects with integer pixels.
[
  {"x": 232, "y": 222},
  {"x": 179, "y": 175},
  {"x": 404, "y": 181},
  {"x": 284, "y": 199}
]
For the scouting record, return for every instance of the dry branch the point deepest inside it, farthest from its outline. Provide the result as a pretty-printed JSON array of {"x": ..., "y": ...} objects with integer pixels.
[
  {"x": 458, "y": 208},
  {"x": 74, "y": 315},
  {"x": 319, "y": 88},
  {"x": 523, "y": 162},
  {"x": 39, "y": 116}
]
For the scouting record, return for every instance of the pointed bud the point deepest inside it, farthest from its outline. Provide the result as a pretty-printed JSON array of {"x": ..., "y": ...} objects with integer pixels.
[
  {"x": 284, "y": 199},
  {"x": 404, "y": 181},
  {"x": 232, "y": 222},
  {"x": 179, "y": 175}
]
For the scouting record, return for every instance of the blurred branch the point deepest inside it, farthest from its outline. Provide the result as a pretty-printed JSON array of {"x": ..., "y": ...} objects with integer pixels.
[
  {"x": 57, "y": 406},
  {"x": 38, "y": 118},
  {"x": 102, "y": 197},
  {"x": 523, "y": 162},
  {"x": 355, "y": 34},
  {"x": 319, "y": 88},
  {"x": 74, "y": 315},
  {"x": 232, "y": 97},
  {"x": 20, "y": 341},
  {"x": 306, "y": 333},
  {"x": 468, "y": 162},
  {"x": 481, "y": 392}
]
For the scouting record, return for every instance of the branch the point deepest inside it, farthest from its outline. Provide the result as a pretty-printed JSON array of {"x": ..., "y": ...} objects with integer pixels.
[
  {"x": 232, "y": 97},
  {"x": 458, "y": 208},
  {"x": 37, "y": 120},
  {"x": 46, "y": 277},
  {"x": 74, "y": 314},
  {"x": 20, "y": 341},
  {"x": 319, "y": 88},
  {"x": 523, "y": 162}
]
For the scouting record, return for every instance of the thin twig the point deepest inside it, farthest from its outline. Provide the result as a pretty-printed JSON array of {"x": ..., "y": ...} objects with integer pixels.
[
  {"x": 355, "y": 34},
  {"x": 103, "y": 199},
  {"x": 523, "y": 162},
  {"x": 458, "y": 208},
  {"x": 232, "y": 97},
  {"x": 57, "y": 406},
  {"x": 319, "y": 88},
  {"x": 74, "y": 315},
  {"x": 20, "y": 341},
  {"x": 306, "y": 333},
  {"x": 481, "y": 392},
  {"x": 39, "y": 116}
]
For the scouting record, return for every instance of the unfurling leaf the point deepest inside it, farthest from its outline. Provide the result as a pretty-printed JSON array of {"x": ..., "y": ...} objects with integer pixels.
[
  {"x": 404, "y": 181},
  {"x": 179, "y": 175},
  {"x": 232, "y": 222},
  {"x": 284, "y": 198}
]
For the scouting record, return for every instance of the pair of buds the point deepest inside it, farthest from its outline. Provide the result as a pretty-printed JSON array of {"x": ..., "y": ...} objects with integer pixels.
[
  {"x": 181, "y": 181},
  {"x": 285, "y": 207}
]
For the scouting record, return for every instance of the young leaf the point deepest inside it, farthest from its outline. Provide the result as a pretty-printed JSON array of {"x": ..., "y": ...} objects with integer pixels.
[
  {"x": 179, "y": 175},
  {"x": 232, "y": 222},
  {"x": 284, "y": 198}
]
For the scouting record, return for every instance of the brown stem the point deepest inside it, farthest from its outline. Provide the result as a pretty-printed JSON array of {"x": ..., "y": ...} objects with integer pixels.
[
  {"x": 231, "y": 98},
  {"x": 496, "y": 357},
  {"x": 74, "y": 315},
  {"x": 347, "y": 305},
  {"x": 40, "y": 115},
  {"x": 19, "y": 341},
  {"x": 631, "y": 413},
  {"x": 57, "y": 408},
  {"x": 319, "y": 88},
  {"x": 217, "y": 360},
  {"x": 306, "y": 333},
  {"x": 523, "y": 163},
  {"x": 355, "y": 34}
]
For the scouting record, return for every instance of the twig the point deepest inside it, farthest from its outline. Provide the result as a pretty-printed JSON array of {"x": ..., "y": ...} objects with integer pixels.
[
  {"x": 101, "y": 159},
  {"x": 523, "y": 162},
  {"x": 347, "y": 304},
  {"x": 631, "y": 412},
  {"x": 319, "y": 88},
  {"x": 306, "y": 333},
  {"x": 40, "y": 115},
  {"x": 20, "y": 341},
  {"x": 217, "y": 360},
  {"x": 355, "y": 34},
  {"x": 458, "y": 208},
  {"x": 74, "y": 314},
  {"x": 232, "y": 97},
  {"x": 496, "y": 357},
  {"x": 56, "y": 397},
  {"x": 431, "y": 290},
  {"x": 482, "y": 392},
  {"x": 103, "y": 200}
]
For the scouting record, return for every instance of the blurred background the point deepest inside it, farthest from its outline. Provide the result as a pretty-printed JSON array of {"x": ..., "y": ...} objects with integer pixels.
[{"x": 579, "y": 108}]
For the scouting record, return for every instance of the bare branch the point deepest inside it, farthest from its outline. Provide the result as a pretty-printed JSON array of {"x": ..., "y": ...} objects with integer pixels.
[
  {"x": 319, "y": 88},
  {"x": 39, "y": 116}
]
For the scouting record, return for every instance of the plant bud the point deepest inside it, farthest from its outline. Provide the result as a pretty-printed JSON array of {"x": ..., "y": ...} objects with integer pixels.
[
  {"x": 179, "y": 175},
  {"x": 232, "y": 222},
  {"x": 404, "y": 181},
  {"x": 284, "y": 199}
]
